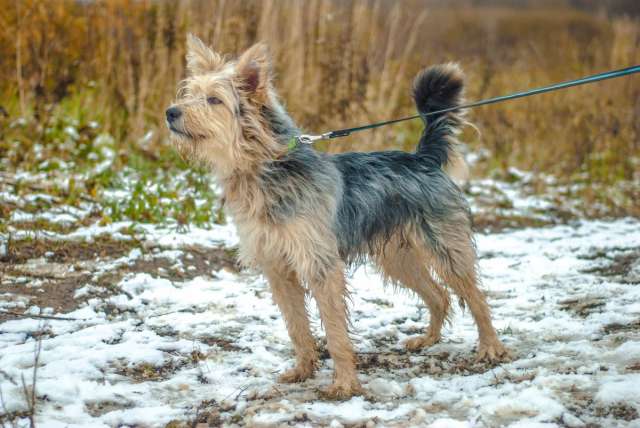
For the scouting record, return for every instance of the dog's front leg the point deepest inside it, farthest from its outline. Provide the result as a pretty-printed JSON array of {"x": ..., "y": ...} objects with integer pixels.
[
  {"x": 289, "y": 295},
  {"x": 329, "y": 293}
]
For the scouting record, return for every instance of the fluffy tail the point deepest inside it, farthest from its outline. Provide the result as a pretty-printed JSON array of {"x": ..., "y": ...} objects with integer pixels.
[{"x": 435, "y": 88}]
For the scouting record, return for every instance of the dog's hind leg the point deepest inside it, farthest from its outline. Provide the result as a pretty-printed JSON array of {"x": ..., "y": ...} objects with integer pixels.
[
  {"x": 330, "y": 293},
  {"x": 408, "y": 267},
  {"x": 456, "y": 265},
  {"x": 289, "y": 295}
]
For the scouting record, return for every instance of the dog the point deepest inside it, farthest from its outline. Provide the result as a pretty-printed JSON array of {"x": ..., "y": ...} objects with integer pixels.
[{"x": 303, "y": 216}]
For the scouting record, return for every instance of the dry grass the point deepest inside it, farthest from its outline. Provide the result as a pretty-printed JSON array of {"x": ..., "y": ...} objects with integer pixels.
[{"x": 340, "y": 63}]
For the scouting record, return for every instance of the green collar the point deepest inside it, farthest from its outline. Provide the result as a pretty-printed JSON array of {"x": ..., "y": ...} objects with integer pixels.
[{"x": 293, "y": 143}]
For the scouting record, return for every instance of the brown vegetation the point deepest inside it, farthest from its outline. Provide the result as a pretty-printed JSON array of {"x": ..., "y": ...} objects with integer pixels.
[{"x": 340, "y": 63}]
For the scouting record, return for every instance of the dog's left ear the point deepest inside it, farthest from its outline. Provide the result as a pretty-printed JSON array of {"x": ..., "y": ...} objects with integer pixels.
[
  {"x": 254, "y": 72},
  {"x": 200, "y": 58}
]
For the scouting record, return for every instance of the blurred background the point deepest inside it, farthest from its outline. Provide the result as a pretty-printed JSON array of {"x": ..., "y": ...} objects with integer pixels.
[{"x": 84, "y": 86}]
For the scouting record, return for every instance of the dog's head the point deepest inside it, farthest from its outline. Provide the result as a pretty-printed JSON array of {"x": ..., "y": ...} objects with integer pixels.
[{"x": 217, "y": 117}]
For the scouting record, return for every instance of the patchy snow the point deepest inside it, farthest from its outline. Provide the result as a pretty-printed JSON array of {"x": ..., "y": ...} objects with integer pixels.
[
  {"x": 53, "y": 216},
  {"x": 174, "y": 348},
  {"x": 169, "y": 236}
]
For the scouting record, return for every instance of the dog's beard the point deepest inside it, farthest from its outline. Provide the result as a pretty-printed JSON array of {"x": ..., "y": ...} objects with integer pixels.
[{"x": 185, "y": 148}]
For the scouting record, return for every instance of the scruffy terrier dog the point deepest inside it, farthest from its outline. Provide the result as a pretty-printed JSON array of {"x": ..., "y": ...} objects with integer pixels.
[{"x": 304, "y": 216}]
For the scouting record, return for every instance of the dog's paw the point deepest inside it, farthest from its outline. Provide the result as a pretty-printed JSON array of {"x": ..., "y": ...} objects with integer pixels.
[
  {"x": 493, "y": 352},
  {"x": 419, "y": 342},
  {"x": 342, "y": 390},
  {"x": 296, "y": 374}
]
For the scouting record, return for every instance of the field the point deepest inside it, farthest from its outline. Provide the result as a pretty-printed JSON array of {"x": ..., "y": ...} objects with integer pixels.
[
  {"x": 340, "y": 64},
  {"x": 133, "y": 324},
  {"x": 120, "y": 296}
]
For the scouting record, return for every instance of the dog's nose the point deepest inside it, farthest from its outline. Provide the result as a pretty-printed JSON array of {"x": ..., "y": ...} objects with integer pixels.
[{"x": 173, "y": 113}]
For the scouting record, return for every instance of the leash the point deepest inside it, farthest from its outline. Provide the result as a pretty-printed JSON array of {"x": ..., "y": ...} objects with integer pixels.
[{"x": 310, "y": 139}]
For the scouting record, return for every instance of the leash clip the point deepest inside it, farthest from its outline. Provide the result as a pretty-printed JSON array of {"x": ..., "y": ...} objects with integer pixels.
[{"x": 310, "y": 139}]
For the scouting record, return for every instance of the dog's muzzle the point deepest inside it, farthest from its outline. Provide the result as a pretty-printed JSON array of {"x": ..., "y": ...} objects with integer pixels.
[
  {"x": 173, "y": 114},
  {"x": 175, "y": 120}
]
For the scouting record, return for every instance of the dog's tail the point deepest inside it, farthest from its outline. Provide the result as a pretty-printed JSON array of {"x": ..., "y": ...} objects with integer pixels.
[{"x": 436, "y": 88}]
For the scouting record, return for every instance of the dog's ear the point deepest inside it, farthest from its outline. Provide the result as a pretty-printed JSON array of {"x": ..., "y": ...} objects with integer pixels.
[
  {"x": 200, "y": 58},
  {"x": 254, "y": 72}
]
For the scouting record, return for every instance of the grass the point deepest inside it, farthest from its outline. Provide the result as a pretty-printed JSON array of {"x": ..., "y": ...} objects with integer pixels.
[
  {"x": 84, "y": 164},
  {"x": 85, "y": 84}
]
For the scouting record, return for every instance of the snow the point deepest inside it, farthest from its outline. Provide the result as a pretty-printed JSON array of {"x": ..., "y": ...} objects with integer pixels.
[
  {"x": 175, "y": 344},
  {"x": 164, "y": 236},
  {"x": 623, "y": 389}
]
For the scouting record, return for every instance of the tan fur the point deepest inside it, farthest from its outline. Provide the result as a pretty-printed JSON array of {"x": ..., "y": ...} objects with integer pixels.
[
  {"x": 300, "y": 256},
  {"x": 289, "y": 295},
  {"x": 201, "y": 59},
  {"x": 304, "y": 244},
  {"x": 330, "y": 294},
  {"x": 457, "y": 168},
  {"x": 459, "y": 273},
  {"x": 218, "y": 139},
  {"x": 405, "y": 264}
]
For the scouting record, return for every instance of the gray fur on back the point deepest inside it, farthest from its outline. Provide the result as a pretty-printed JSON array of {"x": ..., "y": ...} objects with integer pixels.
[{"x": 378, "y": 194}]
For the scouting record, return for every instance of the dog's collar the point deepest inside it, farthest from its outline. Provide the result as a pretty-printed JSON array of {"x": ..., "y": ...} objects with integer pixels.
[
  {"x": 296, "y": 140},
  {"x": 292, "y": 144}
]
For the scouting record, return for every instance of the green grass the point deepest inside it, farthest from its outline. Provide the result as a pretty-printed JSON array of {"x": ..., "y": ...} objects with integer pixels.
[{"x": 68, "y": 156}]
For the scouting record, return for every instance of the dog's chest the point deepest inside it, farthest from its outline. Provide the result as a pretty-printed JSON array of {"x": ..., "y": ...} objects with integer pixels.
[{"x": 301, "y": 243}]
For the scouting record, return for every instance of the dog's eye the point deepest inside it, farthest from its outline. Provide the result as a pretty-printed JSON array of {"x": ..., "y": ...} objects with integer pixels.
[{"x": 214, "y": 100}]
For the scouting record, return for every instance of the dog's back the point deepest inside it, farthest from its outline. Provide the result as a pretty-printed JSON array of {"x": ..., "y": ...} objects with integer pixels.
[{"x": 389, "y": 193}]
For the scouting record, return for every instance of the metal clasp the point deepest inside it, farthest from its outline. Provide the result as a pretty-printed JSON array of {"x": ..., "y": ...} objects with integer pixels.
[{"x": 310, "y": 139}]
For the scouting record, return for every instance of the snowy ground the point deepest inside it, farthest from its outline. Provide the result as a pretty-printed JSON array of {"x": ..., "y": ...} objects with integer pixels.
[{"x": 165, "y": 330}]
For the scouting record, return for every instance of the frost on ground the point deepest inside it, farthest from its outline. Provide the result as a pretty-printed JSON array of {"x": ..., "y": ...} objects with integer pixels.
[{"x": 164, "y": 329}]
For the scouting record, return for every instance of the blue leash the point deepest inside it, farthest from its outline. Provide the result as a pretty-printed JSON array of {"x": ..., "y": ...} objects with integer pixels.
[{"x": 310, "y": 139}]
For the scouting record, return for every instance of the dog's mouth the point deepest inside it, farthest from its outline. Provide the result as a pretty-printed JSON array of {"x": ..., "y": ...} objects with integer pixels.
[
  {"x": 183, "y": 133},
  {"x": 178, "y": 131}
]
